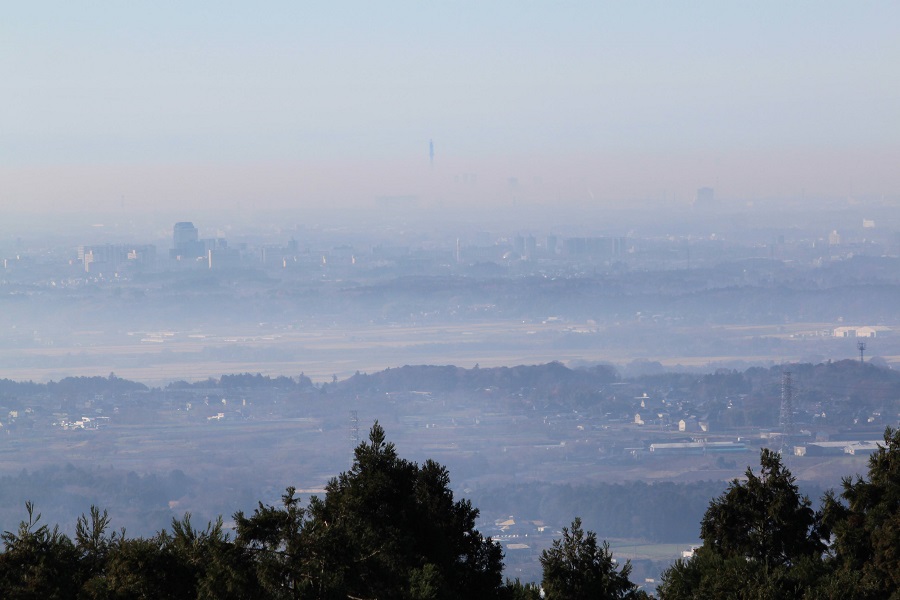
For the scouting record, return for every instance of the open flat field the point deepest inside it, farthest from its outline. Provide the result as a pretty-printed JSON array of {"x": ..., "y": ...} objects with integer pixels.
[{"x": 325, "y": 351}]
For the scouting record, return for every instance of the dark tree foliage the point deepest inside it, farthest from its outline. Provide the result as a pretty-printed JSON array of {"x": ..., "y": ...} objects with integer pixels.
[
  {"x": 387, "y": 528},
  {"x": 38, "y": 562},
  {"x": 865, "y": 526},
  {"x": 578, "y": 568},
  {"x": 710, "y": 575},
  {"x": 8, "y": 387},
  {"x": 390, "y": 528},
  {"x": 761, "y": 539},
  {"x": 94, "y": 385},
  {"x": 246, "y": 381},
  {"x": 276, "y": 540},
  {"x": 551, "y": 379},
  {"x": 763, "y": 519}
]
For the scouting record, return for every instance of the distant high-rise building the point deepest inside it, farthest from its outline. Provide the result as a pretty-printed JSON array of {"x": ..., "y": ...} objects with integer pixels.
[
  {"x": 116, "y": 256},
  {"x": 596, "y": 247},
  {"x": 184, "y": 234},
  {"x": 552, "y": 242},
  {"x": 186, "y": 241},
  {"x": 519, "y": 245},
  {"x": 530, "y": 246},
  {"x": 705, "y": 198}
]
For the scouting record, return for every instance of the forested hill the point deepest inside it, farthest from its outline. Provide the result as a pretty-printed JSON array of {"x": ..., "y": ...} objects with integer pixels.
[
  {"x": 71, "y": 385},
  {"x": 839, "y": 394},
  {"x": 842, "y": 377},
  {"x": 544, "y": 377}
]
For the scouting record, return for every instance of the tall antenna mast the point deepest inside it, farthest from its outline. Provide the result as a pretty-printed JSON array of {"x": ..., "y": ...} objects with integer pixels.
[
  {"x": 862, "y": 349},
  {"x": 787, "y": 409}
]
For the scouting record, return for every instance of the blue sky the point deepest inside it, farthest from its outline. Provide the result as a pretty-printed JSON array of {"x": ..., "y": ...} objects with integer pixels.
[{"x": 277, "y": 102}]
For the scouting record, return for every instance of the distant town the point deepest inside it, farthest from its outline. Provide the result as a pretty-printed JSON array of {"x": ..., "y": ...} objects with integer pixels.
[
  {"x": 715, "y": 286},
  {"x": 587, "y": 426}
]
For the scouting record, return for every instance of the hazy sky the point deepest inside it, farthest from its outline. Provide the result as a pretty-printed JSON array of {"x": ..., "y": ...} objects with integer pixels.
[{"x": 196, "y": 104}]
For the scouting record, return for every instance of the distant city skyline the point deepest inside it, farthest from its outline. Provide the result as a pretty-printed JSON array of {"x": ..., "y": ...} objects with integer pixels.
[{"x": 281, "y": 105}]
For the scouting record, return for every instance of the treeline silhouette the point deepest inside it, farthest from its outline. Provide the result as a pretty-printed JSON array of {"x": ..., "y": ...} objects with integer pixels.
[
  {"x": 664, "y": 512},
  {"x": 387, "y": 528},
  {"x": 845, "y": 388},
  {"x": 763, "y": 539},
  {"x": 390, "y": 528}
]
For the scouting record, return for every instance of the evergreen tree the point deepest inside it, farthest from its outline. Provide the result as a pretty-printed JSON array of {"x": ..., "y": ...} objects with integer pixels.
[
  {"x": 38, "y": 562},
  {"x": 865, "y": 523},
  {"x": 276, "y": 541},
  {"x": 387, "y": 528},
  {"x": 764, "y": 519},
  {"x": 578, "y": 568},
  {"x": 761, "y": 539},
  {"x": 516, "y": 590}
]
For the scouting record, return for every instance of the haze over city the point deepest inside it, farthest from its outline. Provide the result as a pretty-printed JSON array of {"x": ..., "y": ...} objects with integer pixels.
[
  {"x": 593, "y": 258},
  {"x": 300, "y": 105}
]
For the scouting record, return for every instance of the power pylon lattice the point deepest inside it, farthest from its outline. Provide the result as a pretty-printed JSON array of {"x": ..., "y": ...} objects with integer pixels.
[
  {"x": 787, "y": 410},
  {"x": 354, "y": 434},
  {"x": 862, "y": 350}
]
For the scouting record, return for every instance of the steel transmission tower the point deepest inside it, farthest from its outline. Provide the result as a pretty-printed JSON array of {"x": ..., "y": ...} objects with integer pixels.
[
  {"x": 862, "y": 350},
  {"x": 354, "y": 434},
  {"x": 787, "y": 410}
]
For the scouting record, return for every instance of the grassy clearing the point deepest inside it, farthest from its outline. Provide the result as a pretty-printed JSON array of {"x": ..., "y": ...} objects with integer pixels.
[{"x": 641, "y": 550}]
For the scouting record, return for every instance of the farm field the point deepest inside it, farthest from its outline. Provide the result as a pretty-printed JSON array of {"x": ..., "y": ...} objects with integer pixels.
[{"x": 321, "y": 353}]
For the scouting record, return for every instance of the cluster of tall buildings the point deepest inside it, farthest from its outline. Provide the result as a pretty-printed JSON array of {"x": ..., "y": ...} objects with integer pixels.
[
  {"x": 116, "y": 256},
  {"x": 187, "y": 247}
]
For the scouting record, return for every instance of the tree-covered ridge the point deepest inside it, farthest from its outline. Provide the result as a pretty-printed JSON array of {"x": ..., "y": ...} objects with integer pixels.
[
  {"x": 72, "y": 385},
  {"x": 841, "y": 390},
  {"x": 246, "y": 381},
  {"x": 451, "y": 378}
]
